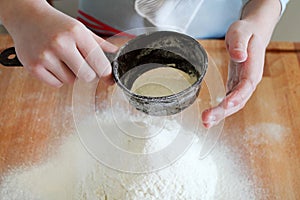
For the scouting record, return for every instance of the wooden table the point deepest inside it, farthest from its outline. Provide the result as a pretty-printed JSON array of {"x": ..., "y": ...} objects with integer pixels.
[{"x": 33, "y": 115}]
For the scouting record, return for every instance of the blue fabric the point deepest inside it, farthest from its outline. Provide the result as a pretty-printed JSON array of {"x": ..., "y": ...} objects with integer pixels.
[{"x": 211, "y": 21}]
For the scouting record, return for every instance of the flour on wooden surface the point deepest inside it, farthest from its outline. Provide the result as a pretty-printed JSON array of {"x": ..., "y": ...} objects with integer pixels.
[
  {"x": 72, "y": 174},
  {"x": 266, "y": 133}
]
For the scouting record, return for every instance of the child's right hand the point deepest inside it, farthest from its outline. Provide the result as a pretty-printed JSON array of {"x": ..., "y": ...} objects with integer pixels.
[{"x": 56, "y": 48}]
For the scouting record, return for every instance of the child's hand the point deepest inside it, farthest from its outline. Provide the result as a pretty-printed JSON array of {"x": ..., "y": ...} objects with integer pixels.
[
  {"x": 247, "y": 52},
  {"x": 54, "y": 46}
]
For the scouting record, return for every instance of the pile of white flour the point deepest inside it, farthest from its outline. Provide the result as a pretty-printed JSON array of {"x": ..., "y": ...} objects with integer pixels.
[{"x": 73, "y": 174}]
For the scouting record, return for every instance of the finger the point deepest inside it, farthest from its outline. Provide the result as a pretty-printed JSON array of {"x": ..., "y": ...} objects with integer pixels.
[
  {"x": 233, "y": 75},
  {"x": 75, "y": 61},
  {"x": 250, "y": 74},
  {"x": 94, "y": 56},
  {"x": 109, "y": 79},
  {"x": 213, "y": 116},
  {"x": 46, "y": 76},
  {"x": 237, "y": 44},
  {"x": 99, "y": 62},
  {"x": 61, "y": 71},
  {"x": 230, "y": 105},
  {"x": 105, "y": 45},
  {"x": 240, "y": 95}
]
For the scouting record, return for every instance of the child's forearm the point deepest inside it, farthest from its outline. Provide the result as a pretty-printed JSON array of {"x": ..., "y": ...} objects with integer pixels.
[{"x": 264, "y": 14}]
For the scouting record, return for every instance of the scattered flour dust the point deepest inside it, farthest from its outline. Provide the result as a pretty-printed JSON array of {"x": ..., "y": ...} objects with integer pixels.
[
  {"x": 266, "y": 133},
  {"x": 72, "y": 174}
]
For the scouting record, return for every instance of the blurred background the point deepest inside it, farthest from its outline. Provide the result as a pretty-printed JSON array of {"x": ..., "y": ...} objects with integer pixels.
[{"x": 288, "y": 28}]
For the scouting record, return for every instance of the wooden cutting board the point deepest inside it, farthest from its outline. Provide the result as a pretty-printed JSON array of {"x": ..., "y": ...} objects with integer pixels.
[{"x": 267, "y": 131}]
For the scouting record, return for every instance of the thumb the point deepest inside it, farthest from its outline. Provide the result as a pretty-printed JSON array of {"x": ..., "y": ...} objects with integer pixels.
[{"x": 237, "y": 44}]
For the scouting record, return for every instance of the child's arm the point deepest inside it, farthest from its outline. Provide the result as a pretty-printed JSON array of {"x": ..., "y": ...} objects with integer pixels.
[
  {"x": 246, "y": 42},
  {"x": 52, "y": 45}
]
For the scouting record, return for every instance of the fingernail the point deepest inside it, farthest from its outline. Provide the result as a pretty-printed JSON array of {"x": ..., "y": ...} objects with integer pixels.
[
  {"x": 59, "y": 85},
  {"x": 239, "y": 49}
]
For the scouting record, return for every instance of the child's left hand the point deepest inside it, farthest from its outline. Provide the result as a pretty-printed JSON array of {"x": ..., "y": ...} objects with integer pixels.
[{"x": 247, "y": 51}]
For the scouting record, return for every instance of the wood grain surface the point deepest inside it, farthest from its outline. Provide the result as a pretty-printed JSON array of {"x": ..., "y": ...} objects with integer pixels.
[{"x": 34, "y": 115}]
